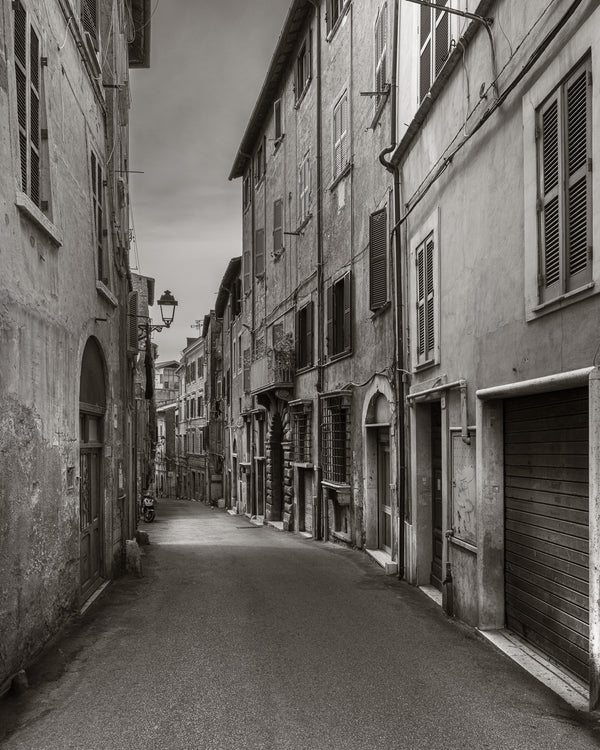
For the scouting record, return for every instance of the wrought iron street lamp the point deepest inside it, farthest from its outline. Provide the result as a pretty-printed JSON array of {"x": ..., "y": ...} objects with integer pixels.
[{"x": 167, "y": 304}]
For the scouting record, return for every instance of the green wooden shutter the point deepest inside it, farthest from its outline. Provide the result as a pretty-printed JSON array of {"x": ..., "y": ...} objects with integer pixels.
[
  {"x": 578, "y": 178},
  {"x": 247, "y": 260},
  {"x": 442, "y": 37},
  {"x": 347, "y": 313},
  {"x": 299, "y": 334},
  {"x": 378, "y": 259},
  {"x": 132, "y": 323},
  {"x": 549, "y": 201},
  {"x": 259, "y": 252}
]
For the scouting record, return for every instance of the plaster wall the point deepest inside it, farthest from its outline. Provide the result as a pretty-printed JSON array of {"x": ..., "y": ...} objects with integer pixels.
[{"x": 51, "y": 305}]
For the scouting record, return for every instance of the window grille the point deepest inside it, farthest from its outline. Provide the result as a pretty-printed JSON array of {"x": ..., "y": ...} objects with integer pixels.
[
  {"x": 336, "y": 439},
  {"x": 302, "y": 433}
]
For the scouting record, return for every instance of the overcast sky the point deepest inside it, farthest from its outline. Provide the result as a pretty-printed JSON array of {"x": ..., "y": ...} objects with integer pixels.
[{"x": 189, "y": 111}]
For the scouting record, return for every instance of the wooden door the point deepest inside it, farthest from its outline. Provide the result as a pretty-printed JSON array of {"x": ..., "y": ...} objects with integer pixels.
[
  {"x": 90, "y": 503},
  {"x": 437, "y": 540},
  {"x": 383, "y": 490}
]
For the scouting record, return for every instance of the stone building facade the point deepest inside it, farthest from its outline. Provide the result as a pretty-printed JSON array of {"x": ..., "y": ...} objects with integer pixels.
[{"x": 67, "y": 495}]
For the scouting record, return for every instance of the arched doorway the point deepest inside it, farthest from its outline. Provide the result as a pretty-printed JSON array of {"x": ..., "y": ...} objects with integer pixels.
[{"x": 92, "y": 406}]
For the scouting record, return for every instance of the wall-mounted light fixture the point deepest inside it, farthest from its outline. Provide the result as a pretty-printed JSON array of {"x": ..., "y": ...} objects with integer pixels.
[{"x": 167, "y": 304}]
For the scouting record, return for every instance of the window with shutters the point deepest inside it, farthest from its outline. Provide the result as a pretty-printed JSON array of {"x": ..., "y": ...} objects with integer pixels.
[
  {"x": 278, "y": 121},
  {"x": 304, "y": 336},
  {"x": 246, "y": 192},
  {"x": 378, "y": 260},
  {"x": 434, "y": 44},
  {"x": 301, "y": 421},
  {"x": 89, "y": 20},
  {"x": 33, "y": 152},
  {"x": 97, "y": 189},
  {"x": 341, "y": 156},
  {"x": 339, "y": 317},
  {"x": 381, "y": 38},
  {"x": 247, "y": 360},
  {"x": 426, "y": 338},
  {"x": 259, "y": 252},
  {"x": 247, "y": 268},
  {"x": 132, "y": 323},
  {"x": 303, "y": 72},
  {"x": 334, "y": 14},
  {"x": 564, "y": 137},
  {"x": 277, "y": 228},
  {"x": 260, "y": 162},
  {"x": 304, "y": 189}
]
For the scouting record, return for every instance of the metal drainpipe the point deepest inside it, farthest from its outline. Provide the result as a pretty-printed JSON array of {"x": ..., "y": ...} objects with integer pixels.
[
  {"x": 398, "y": 318},
  {"x": 321, "y": 528}
]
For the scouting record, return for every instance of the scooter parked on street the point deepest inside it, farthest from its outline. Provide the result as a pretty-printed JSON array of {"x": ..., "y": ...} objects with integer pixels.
[{"x": 147, "y": 510}]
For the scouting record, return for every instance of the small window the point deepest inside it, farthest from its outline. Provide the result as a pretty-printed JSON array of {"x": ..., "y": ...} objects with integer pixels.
[
  {"x": 378, "y": 270},
  {"x": 564, "y": 138},
  {"x": 260, "y": 163},
  {"x": 259, "y": 252},
  {"x": 434, "y": 45},
  {"x": 30, "y": 110},
  {"x": 304, "y": 189},
  {"x": 304, "y": 336},
  {"x": 336, "y": 439},
  {"x": 278, "y": 120},
  {"x": 246, "y": 192},
  {"x": 425, "y": 278},
  {"x": 339, "y": 317},
  {"x": 301, "y": 419},
  {"x": 277, "y": 227},
  {"x": 381, "y": 32},
  {"x": 303, "y": 68},
  {"x": 340, "y": 135},
  {"x": 89, "y": 20},
  {"x": 97, "y": 180},
  {"x": 335, "y": 9}
]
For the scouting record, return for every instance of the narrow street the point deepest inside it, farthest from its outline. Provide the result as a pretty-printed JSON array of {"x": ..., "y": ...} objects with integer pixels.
[{"x": 240, "y": 636}]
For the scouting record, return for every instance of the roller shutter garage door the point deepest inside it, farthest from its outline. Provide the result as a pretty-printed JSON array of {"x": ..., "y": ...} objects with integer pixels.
[{"x": 546, "y": 523}]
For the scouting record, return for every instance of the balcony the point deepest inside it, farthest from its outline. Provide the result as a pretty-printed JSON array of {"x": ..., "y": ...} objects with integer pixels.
[{"x": 273, "y": 371}]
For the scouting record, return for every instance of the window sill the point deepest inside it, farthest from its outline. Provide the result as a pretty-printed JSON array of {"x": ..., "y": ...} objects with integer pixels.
[
  {"x": 303, "y": 465},
  {"x": 380, "y": 310},
  {"x": 304, "y": 369},
  {"x": 340, "y": 355},
  {"x": 340, "y": 486},
  {"x": 425, "y": 365},
  {"x": 105, "y": 292},
  {"x": 344, "y": 173},
  {"x": 564, "y": 300},
  {"x": 27, "y": 207}
]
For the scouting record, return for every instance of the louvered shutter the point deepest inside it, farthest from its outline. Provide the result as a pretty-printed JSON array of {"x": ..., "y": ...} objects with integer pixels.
[
  {"x": 425, "y": 39},
  {"x": 578, "y": 178},
  {"x": 378, "y": 259},
  {"x": 132, "y": 323},
  {"x": 247, "y": 259},
  {"x": 278, "y": 226},
  {"x": 430, "y": 301},
  {"x": 347, "y": 313},
  {"x": 308, "y": 321},
  {"x": 259, "y": 252},
  {"x": 89, "y": 19},
  {"x": 442, "y": 37},
  {"x": 34, "y": 117},
  {"x": 277, "y": 119},
  {"x": 330, "y": 341},
  {"x": 20, "y": 47},
  {"x": 381, "y": 49},
  {"x": 550, "y": 219},
  {"x": 299, "y": 334},
  {"x": 420, "y": 262},
  {"x": 329, "y": 15}
]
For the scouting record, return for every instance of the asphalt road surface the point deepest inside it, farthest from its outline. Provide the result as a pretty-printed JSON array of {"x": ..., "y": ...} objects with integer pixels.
[{"x": 243, "y": 637}]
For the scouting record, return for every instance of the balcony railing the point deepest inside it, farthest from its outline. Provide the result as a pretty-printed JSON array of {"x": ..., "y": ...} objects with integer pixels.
[{"x": 275, "y": 370}]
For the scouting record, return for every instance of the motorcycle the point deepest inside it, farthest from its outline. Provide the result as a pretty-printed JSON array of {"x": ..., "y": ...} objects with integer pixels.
[{"x": 148, "y": 512}]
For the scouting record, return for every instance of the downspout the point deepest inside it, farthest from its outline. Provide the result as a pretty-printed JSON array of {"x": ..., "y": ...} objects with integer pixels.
[
  {"x": 320, "y": 529},
  {"x": 398, "y": 317}
]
